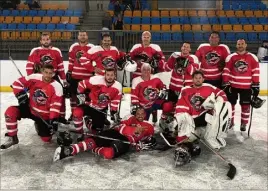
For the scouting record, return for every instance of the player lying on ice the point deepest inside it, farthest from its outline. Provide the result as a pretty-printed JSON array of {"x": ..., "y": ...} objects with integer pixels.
[
  {"x": 201, "y": 109},
  {"x": 112, "y": 143},
  {"x": 43, "y": 105}
]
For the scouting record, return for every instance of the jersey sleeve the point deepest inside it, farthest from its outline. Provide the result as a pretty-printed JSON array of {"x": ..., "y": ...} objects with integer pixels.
[
  {"x": 135, "y": 92},
  {"x": 198, "y": 53},
  {"x": 227, "y": 69},
  {"x": 116, "y": 99},
  {"x": 170, "y": 62},
  {"x": 25, "y": 82},
  {"x": 255, "y": 70},
  {"x": 83, "y": 86},
  {"x": 71, "y": 58},
  {"x": 182, "y": 105},
  {"x": 86, "y": 60},
  {"x": 56, "y": 101},
  {"x": 60, "y": 68},
  {"x": 31, "y": 62}
]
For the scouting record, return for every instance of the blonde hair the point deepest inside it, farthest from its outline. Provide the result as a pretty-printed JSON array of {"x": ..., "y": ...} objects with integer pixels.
[{"x": 145, "y": 65}]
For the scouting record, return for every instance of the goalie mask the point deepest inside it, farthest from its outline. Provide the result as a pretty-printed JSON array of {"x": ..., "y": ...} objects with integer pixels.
[
  {"x": 181, "y": 64},
  {"x": 182, "y": 155},
  {"x": 108, "y": 63},
  {"x": 257, "y": 102}
]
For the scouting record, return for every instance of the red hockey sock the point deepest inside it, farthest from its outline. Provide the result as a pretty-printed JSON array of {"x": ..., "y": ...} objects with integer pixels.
[
  {"x": 245, "y": 113},
  {"x": 87, "y": 144},
  {"x": 106, "y": 152}
]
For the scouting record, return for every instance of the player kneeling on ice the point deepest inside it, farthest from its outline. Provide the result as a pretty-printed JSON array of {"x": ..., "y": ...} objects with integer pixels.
[
  {"x": 202, "y": 109},
  {"x": 113, "y": 143},
  {"x": 43, "y": 106}
]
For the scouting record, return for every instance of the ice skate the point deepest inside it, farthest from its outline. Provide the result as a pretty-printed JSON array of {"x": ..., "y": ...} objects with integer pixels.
[
  {"x": 62, "y": 152},
  {"x": 10, "y": 140}
]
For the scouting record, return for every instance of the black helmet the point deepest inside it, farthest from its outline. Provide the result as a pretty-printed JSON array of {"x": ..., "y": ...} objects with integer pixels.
[{"x": 257, "y": 102}]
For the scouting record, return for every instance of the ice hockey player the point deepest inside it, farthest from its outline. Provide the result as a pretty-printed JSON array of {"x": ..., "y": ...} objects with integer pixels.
[
  {"x": 147, "y": 91},
  {"x": 241, "y": 76},
  {"x": 201, "y": 109},
  {"x": 42, "y": 105},
  {"x": 113, "y": 143},
  {"x": 147, "y": 53},
  {"x": 212, "y": 57},
  {"x": 103, "y": 91},
  {"x": 47, "y": 54},
  {"x": 77, "y": 72},
  {"x": 182, "y": 64}
]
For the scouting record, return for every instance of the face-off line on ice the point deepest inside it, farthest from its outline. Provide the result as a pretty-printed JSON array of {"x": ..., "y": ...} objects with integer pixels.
[{"x": 198, "y": 103}]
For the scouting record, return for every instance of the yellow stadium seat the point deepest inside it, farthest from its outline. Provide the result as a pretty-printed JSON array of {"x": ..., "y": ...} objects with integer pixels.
[
  {"x": 265, "y": 27},
  {"x": 14, "y": 35},
  {"x": 111, "y": 13},
  {"x": 136, "y": 13},
  {"x": 63, "y": 6},
  {"x": 22, "y": 6},
  {"x": 54, "y": 6},
  {"x": 265, "y": 13},
  {"x": 220, "y": 13},
  {"x": 248, "y": 28},
  {"x": 186, "y": 27},
  {"x": 146, "y": 13},
  {"x": 66, "y": 36},
  {"x": 176, "y": 27},
  {"x": 35, "y": 35},
  {"x": 27, "y": 20},
  {"x": 2, "y": 19},
  {"x": 164, "y": 13},
  {"x": 249, "y": 13},
  {"x": 36, "y": 20},
  {"x": 239, "y": 13},
  {"x": 127, "y": 13},
  {"x": 46, "y": 20},
  {"x": 211, "y": 13},
  {"x": 65, "y": 20},
  {"x": 18, "y": 19},
  {"x": 229, "y": 13},
  {"x": 258, "y": 13},
  {"x": 156, "y": 28},
  {"x": 9, "y": 19},
  {"x": 127, "y": 27},
  {"x": 135, "y": 27},
  {"x": 206, "y": 28},
  {"x": 46, "y": 6},
  {"x": 227, "y": 27},
  {"x": 192, "y": 13},
  {"x": 74, "y": 20},
  {"x": 196, "y": 27},
  {"x": 173, "y": 13},
  {"x": 258, "y": 28},
  {"x": 182, "y": 13},
  {"x": 216, "y": 27},
  {"x": 237, "y": 27},
  {"x": 25, "y": 35},
  {"x": 201, "y": 13},
  {"x": 155, "y": 14},
  {"x": 145, "y": 27},
  {"x": 5, "y": 35},
  {"x": 56, "y": 35},
  {"x": 55, "y": 20},
  {"x": 165, "y": 27}
]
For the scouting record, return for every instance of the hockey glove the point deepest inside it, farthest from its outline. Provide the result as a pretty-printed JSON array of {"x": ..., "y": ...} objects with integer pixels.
[
  {"x": 69, "y": 77},
  {"x": 37, "y": 68},
  {"x": 115, "y": 116},
  {"x": 255, "y": 89},
  {"x": 23, "y": 98},
  {"x": 52, "y": 126},
  {"x": 64, "y": 138},
  {"x": 226, "y": 87},
  {"x": 154, "y": 63},
  {"x": 146, "y": 144},
  {"x": 133, "y": 109},
  {"x": 81, "y": 99},
  {"x": 163, "y": 93}
]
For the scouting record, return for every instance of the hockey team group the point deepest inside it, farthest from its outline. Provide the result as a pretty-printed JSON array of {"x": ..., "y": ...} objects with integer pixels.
[{"x": 199, "y": 102}]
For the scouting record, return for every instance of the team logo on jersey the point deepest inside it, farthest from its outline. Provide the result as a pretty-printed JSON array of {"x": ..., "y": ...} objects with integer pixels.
[
  {"x": 196, "y": 101},
  {"x": 46, "y": 59},
  {"x": 241, "y": 66},
  {"x": 150, "y": 94},
  {"x": 79, "y": 54},
  {"x": 108, "y": 62},
  {"x": 212, "y": 58},
  {"x": 103, "y": 99},
  {"x": 40, "y": 97}
]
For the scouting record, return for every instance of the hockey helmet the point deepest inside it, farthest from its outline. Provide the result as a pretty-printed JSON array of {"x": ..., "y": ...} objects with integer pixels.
[
  {"x": 257, "y": 102},
  {"x": 182, "y": 155}
]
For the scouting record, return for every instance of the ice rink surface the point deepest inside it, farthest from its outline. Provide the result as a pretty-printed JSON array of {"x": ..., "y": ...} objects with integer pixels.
[{"x": 29, "y": 165}]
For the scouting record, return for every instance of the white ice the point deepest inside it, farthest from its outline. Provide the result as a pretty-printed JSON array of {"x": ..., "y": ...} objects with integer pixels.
[{"x": 29, "y": 165}]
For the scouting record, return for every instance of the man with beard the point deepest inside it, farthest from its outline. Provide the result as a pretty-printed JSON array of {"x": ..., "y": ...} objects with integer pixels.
[
  {"x": 76, "y": 71},
  {"x": 202, "y": 109},
  {"x": 182, "y": 64},
  {"x": 103, "y": 91},
  {"x": 212, "y": 57},
  {"x": 115, "y": 142},
  {"x": 47, "y": 54},
  {"x": 146, "y": 52},
  {"x": 241, "y": 76},
  {"x": 43, "y": 102}
]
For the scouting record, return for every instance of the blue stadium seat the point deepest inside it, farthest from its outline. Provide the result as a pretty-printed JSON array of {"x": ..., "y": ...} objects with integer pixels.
[
  {"x": 41, "y": 26},
  {"x": 5, "y": 13},
  {"x": 33, "y": 13},
  {"x": 204, "y": 20},
  {"x": 155, "y": 20},
  {"x": 145, "y": 6},
  {"x": 12, "y": 26},
  {"x": 111, "y": 6},
  {"x": 21, "y": 26},
  {"x": 50, "y": 13},
  {"x": 223, "y": 20},
  {"x": 213, "y": 20},
  {"x": 33, "y": 26},
  {"x": 263, "y": 35},
  {"x": 230, "y": 36},
  {"x": 241, "y": 35},
  {"x": 198, "y": 36},
  {"x": 252, "y": 36},
  {"x": 184, "y": 20},
  {"x": 156, "y": 36},
  {"x": 14, "y": 13},
  {"x": 3, "y": 26},
  {"x": 188, "y": 36},
  {"x": 222, "y": 36},
  {"x": 263, "y": 20},
  {"x": 244, "y": 6},
  {"x": 69, "y": 13},
  {"x": 226, "y": 7},
  {"x": 127, "y": 20},
  {"x": 243, "y": 20},
  {"x": 24, "y": 12},
  {"x": 166, "y": 36},
  {"x": 60, "y": 26},
  {"x": 165, "y": 20},
  {"x": 253, "y": 20},
  {"x": 177, "y": 36},
  {"x": 235, "y": 7},
  {"x": 70, "y": 27},
  {"x": 78, "y": 13},
  {"x": 174, "y": 20},
  {"x": 59, "y": 13},
  {"x": 194, "y": 20},
  {"x": 41, "y": 13},
  {"x": 51, "y": 26},
  {"x": 233, "y": 20},
  {"x": 136, "y": 20},
  {"x": 254, "y": 7},
  {"x": 122, "y": 7},
  {"x": 146, "y": 20},
  {"x": 262, "y": 7}
]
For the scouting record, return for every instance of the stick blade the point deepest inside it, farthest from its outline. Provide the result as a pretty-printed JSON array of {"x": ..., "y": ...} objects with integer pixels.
[{"x": 232, "y": 171}]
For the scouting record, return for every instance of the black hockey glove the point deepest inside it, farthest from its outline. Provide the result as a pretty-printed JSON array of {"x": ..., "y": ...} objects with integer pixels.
[
  {"x": 69, "y": 77},
  {"x": 133, "y": 109},
  {"x": 226, "y": 87},
  {"x": 255, "y": 89},
  {"x": 64, "y": 138},
  {"x": 154, "y": 63},
  {"x": 52, "y": 126},
  {"x": 37, "y": 68},
  {"x": 115, "y": 116},
  {"x": 81, "y": 99},
  {"x": 163, "y": 93},
  {"x": 23, "y": 98}
]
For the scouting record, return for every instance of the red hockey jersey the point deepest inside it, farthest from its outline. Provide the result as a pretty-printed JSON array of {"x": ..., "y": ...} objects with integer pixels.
[
  {"x": 40, "y": 55},
  {"x": 181, "y": 77},
  {"x": 145, "y": 93},
  {"x": 45, "y": 98},
  {"x": 138, "y": 51},
  {"x": 76, "y": 51},
  {"x": 210, "y": 58},
  {"x": 241, "y": 70},
  {"x": 191, "y": 99},
  {"x": 100, "y": 94},
  {"x": 128, "y": 128}
]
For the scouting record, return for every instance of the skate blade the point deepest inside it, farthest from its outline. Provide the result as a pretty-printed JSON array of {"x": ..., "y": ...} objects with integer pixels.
[{"x": 56, "y": 156}]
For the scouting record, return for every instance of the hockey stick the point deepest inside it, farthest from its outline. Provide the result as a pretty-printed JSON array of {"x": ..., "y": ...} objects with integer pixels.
[
  {"x": 251, "y": 114},
  {"x": 167, "y": 142},
  {"x": 10, "y": 58},
  {"x": 232, "y": 170}
]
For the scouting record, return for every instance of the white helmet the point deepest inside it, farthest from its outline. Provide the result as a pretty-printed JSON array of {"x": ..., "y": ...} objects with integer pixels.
[{"x": 131, "y": 66}]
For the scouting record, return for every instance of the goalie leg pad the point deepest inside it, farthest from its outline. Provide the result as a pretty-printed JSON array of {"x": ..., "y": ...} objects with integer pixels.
[{"x": 185, "y": 124}]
